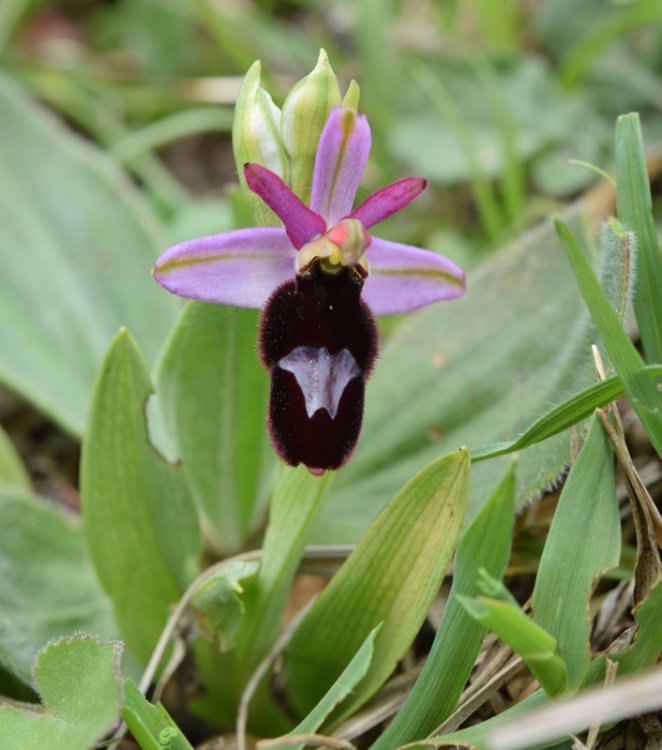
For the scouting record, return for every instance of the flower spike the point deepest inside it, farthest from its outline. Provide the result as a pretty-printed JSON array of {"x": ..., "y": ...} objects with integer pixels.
[{"x": 319, "y": 280}]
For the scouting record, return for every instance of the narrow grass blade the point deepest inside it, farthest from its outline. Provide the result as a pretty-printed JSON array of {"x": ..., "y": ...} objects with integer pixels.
[
  {"x": 635, "y": 210},
  {"x": 485, "y": 543},
  {"x": 353, "y": 673},
  {"x": 639, "y": 386},
  {"x": 140, "y": 522},
  {"x": 391, "y": 577},
  {"x": 584, "y": 541},
  {"x": 150, "y": 724},
  {"x": 568, "y": 413}
]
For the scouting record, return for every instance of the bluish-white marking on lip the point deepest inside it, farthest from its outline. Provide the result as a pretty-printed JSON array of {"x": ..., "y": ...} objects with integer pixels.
[{"x": 321, "y": 376}]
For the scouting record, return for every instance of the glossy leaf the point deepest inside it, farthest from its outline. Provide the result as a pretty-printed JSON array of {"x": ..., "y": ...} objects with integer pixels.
[
  {"x": 79, "y": 682},
  {"x": 212, "y": 392},
  {"x": 49, "y": 588},
  {"x": 80, "y": 242},
  {"x": 139, "y": 520},
  {"x": 583, "y": 542},
  {"x": 485, "y": 543},
  {"x": 391, "y": 577}
]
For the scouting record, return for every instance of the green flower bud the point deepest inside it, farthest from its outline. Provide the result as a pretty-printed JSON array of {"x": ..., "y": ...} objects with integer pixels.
[
  {"x": 256, "y": 138},
  {"x": 305, "y": 112}
]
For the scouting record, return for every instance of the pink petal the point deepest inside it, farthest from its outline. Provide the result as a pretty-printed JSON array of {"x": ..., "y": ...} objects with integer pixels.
[
  {"x": 301, "y": 224},
  {"x": 387, "y": 200},
  {"x": 342, "y": 154},
  {"x": 403, "y": 277},
  {"x": 240, "y": 268}
]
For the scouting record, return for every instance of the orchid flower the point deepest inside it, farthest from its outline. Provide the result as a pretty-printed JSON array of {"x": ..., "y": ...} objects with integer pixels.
[{"x": 319, "y": 280}]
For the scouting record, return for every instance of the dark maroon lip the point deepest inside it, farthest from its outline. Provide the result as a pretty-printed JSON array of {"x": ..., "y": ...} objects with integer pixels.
[{"x": 318, "y": 339}]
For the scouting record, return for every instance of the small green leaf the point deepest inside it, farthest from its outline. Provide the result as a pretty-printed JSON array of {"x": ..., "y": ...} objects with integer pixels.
[
  {"x": 639, "y": 386},
  {"x": 151, "y": 725},
  {"x": 213, "y": 395},
  {"x": 485, "y": 543},
  {"x": 391, "y": 577},
  {"x": 139, "y": 520},
  {"x": 79, "y": 682},
  {"x": 12, "y": 471},
  {"x": 635, "y": 210},
  {"x": 583, "y": 542},
  {"x": 218, "y": 603},
  {"x": 536, "y": 647},
  {"x": 49, "y": 588}
]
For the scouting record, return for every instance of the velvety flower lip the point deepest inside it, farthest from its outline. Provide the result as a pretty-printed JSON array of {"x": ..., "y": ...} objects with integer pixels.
[{"x": 243, "y": 267}]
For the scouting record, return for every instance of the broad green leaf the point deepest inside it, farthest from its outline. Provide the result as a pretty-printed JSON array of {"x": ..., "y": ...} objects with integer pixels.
[
  {"x": 49, "y": 588},
  {"x": 79, "y": 682},
  {"x": 469, "y": 372},
  {"x": 218, "y": 603},
  {"x": 635, "y": 210},
  {"x": 151, "y": 725},
  {"x": 353, "y": 673},
  {"x": 391, "y": 577},
  {"x": 583, "y": 542},
  {"x": 534, "y": 644},
  {"x": 485, "y": 543},
  {"x": 213, "y": 394},
  {"x": 639, "y": 386},
  {"x": 139, "y": 520},
  {"x": 12, "y": 471},
  {"x": 79, "y": 242}
]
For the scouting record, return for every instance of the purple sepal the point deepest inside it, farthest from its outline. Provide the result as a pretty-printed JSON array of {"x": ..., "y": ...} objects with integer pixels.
[
  {"x": 341, "y": 157},
  {"x": 403, "y": 277},
  {"x": 240, "y": 268},
  {"x": 388, "y": 200},
  {"x": 301, "y": 224}
]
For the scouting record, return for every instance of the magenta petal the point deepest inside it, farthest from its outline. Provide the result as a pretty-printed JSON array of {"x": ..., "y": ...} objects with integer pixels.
[
  {"x": 387, "y": 200},
  {"x": 403, "y": 277},
  {"x": 234, "y": 268},
  {"x": 342, "y": 154},
  {"x": 301, "y": 224}
]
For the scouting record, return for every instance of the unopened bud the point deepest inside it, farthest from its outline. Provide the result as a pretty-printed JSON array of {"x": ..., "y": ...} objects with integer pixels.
[
  {"x": 256, "y": 138},
  {"x": 304, "y": 115}
]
